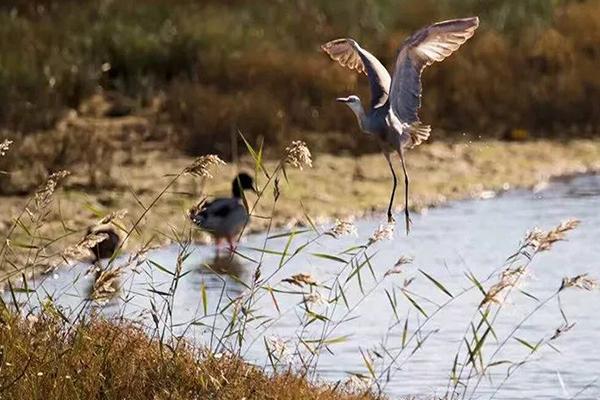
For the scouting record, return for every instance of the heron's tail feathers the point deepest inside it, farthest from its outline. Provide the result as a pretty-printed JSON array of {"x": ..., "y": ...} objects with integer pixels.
[{"x": 418, "y": 133}]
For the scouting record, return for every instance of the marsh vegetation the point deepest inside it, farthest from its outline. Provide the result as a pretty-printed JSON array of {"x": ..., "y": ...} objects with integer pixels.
[
  {"x": 73, "y": 351},
  {"x": 107, "y": 113}
]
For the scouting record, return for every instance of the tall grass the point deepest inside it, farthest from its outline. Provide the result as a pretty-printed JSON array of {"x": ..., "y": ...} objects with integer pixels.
[{"x": 49, "y": 351}]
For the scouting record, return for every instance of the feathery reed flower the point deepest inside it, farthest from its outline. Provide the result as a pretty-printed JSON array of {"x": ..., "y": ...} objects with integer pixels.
[
  {"x": 314, "y": 298},
  {"x": 358, "y": 383},
  {"x": 139, "y": 257},
  {"x": 508, "y": 279},
  {"x": 4, "y": 146},
  {"x": 301, "y": 279},
  {"x": 278, "y": 348},
  {"x": 82, "y": 249},
  {"x": 383, "y": 232},
  {"x": 201, "y": 166},
  {"x": 343, "y": 228},
  {"x": 561, "y": 330},
  {"x": 543, "y": 241},
  {"x": 399, "y": 266},
  {"x": 298, "y": 155},
  {"x": 582, "y": 281},
  {"x": 106, "y": 284},
  {"x": 44, "y": 193},
  {"x": 115, "y": 215}
]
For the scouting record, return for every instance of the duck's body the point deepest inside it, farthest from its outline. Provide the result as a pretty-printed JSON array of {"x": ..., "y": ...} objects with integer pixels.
[
  {"x": 225, "y": 217},
  {"x": 222, "y": 217}
]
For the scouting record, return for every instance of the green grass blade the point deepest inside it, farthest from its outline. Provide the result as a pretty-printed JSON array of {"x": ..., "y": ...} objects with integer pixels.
[
  {"x": 437, "y": 284},
  {"x": 286, "y": 248},
  {"x": 204, "y": 298},
  {"x": 415, "y": 304},
  {"x": 330, "y": 257}
]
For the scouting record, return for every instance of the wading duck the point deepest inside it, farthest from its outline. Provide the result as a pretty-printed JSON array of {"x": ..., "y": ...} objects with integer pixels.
[{"x": 225, "y": 217}]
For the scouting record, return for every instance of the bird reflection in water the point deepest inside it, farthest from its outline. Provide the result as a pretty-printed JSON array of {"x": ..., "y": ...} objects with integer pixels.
[
  {"x": 106, "y": 285},
  {"x": 225, "y": 269}
]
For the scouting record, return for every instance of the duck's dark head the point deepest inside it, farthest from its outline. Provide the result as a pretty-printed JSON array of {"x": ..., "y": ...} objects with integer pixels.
[{"x": 240, "y": 183}]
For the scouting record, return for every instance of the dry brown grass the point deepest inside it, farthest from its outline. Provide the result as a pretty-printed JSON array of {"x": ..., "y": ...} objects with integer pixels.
[
  {"x": 45, "y": 358},
  {"x": 91, "y": 145}
]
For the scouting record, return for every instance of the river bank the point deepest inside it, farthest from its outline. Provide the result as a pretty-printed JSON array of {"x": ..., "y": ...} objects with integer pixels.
[{"x": 335, "y": 187}]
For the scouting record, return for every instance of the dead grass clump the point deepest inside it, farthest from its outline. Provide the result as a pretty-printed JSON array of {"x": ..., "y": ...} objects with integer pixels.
[
  {"x": 44, "y": 357},
  {"x": 34, "y": 157}
]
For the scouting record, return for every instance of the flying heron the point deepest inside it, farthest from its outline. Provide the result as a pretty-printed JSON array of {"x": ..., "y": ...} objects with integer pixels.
[{"x": 393, "y": 114}]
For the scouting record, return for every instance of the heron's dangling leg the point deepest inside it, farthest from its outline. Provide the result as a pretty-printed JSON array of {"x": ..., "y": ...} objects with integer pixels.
[
  {"x": 406, "y": 182},
  {"x": 389, "y": 213}
]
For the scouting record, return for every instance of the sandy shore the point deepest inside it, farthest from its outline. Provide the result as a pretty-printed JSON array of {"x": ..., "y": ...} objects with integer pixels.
[{"x": 336, "y": 186}]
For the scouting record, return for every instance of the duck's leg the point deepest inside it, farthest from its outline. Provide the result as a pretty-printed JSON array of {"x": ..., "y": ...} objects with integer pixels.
[
  {"x": 218, "y": 246},
  {"x": 391, "y": 204},
  {"x": 231, "y": 242},
  {"x": 406, "y": 184}
]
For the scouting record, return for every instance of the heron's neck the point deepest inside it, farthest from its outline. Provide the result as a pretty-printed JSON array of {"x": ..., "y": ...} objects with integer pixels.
[{"x": 361, "y": 115}]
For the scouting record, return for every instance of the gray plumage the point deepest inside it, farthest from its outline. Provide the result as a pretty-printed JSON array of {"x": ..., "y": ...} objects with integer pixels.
[
  {"x": 393, "y": 116},
  {"x": 225, "y": 217}
]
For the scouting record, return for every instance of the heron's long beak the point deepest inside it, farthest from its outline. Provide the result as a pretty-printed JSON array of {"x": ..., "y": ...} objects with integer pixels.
[{"x": 342, "y": 99}]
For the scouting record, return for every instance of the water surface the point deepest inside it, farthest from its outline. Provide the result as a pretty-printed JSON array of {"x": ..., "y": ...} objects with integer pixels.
[{"x": 446, "y": 242}]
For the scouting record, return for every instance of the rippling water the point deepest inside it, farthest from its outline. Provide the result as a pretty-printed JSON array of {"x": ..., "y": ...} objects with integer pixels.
[{"x": 446, "y": 242}]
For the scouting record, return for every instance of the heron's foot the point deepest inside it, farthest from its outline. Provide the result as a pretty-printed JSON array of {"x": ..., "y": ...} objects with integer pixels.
[
  {"x": 391, "y": 219},
  {"x": 408, "y": 221}
]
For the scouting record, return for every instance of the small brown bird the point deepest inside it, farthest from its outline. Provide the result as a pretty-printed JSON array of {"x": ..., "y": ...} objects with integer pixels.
[{"x": 107, "y": 247}]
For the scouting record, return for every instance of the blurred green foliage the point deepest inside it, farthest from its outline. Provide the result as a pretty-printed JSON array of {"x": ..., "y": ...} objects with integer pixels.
[{"x": 255, "y": 65}]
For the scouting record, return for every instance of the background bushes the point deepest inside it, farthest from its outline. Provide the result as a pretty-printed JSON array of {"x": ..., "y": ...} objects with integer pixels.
[{"x": 256, "y": 66}]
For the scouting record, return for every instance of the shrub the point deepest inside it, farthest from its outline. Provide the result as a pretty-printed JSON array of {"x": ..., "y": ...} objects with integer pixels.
[{"x": 531, "y": 64}]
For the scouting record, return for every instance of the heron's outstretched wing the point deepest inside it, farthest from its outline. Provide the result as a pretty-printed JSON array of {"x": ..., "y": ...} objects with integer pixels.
[
  {"x": 423, "y": 48},
  {"x": 350, "y": 55}
]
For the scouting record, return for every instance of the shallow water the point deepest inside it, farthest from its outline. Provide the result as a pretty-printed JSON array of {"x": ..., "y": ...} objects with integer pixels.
[{"x": 446, "y": 242}]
